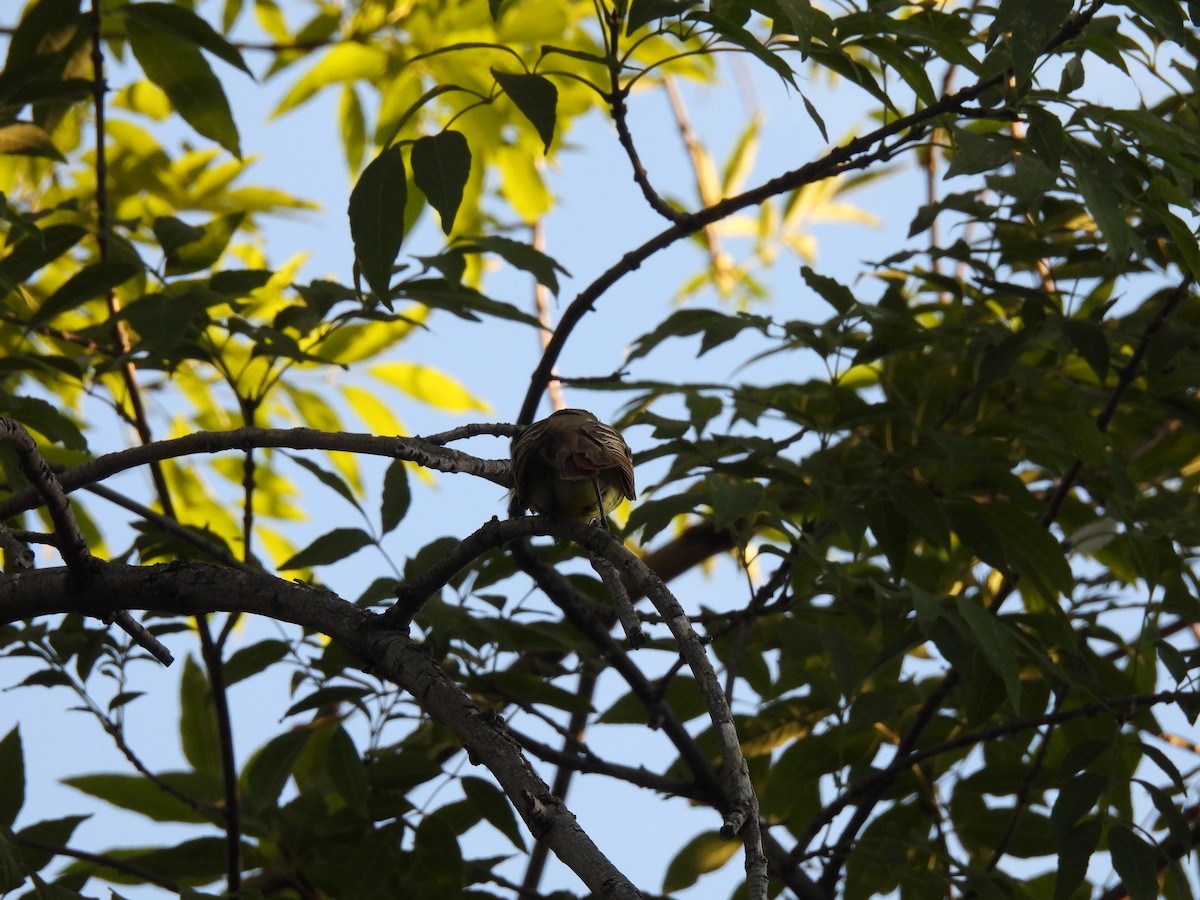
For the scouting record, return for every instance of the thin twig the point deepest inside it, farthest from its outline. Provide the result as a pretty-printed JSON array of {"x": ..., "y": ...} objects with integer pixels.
[
  {"x": 855, "y": 154},
  {"x": 108, "y": 862}
]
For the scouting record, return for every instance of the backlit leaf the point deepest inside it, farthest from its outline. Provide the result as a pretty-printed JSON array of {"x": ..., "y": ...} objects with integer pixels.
[
  {"x": 377, "y": 217},
  {"x": 537, "y": 99},
  {"x": 441, "y": 165}
]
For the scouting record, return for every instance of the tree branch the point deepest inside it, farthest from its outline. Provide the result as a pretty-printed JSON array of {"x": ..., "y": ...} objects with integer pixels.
[
  {"x": 432, "y": 456},
  {"x": 196, "y": 589}
]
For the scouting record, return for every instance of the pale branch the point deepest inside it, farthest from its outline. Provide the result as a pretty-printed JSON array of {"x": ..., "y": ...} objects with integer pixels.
[
  {"x": 741, "y": 817},
  {"x": 626, "y": 614},
  {"x": 697, "y": 157},
  {"x": 416, "y": 450},
  {"x": 195, "y": 589},
  {"x": 577, "y": 609},
  {"x": 542, "y": 307},
  {"x": 473, "y": 429},
  {"x": 742, "y": 811}
]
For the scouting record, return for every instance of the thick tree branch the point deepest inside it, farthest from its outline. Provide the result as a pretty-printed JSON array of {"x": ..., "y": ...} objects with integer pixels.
[{"x": 196, "y": 589}]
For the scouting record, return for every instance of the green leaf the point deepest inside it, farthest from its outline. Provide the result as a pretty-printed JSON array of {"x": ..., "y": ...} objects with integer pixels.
[
  {"x": 268, "y": 770},
  {"x": 518, "y": 254},
  {"x": 1165, "y": 15},
  {"x": 89, "y": 283},
  {"x": 1087, "y": 338},
  {"x": 331, "y": 480},
  {"x": 396, "y": 497},
  {"x": 441, "y": 165},
  {"x": 917, "y": 503},
  {"x": 343, "y": 63},
  {"x": 12, "y": 785},
  {"x": 239, "y": 282},
  {"x": 732, "y": 501},
  {"x": 191, "y": 248},
  {"x": 198, "y": 861},
  {"x": 437, "y": 860},
  {"x": 535, "y": 97},
  {"x": 1135, "y": 861},
  {"x": 329, "y": 697},
  {"x": 165, "y": 319},
  {"x": 704, "y": 853},
  {"x": 461, "y": 300},
  {"x": 183, "y": 23},
  {"x": 139, "y": 794},
  {"x": 1008, "y": 538},
  {"x": 54, "y": 832},
  {"x": 998, "y": 647},
  {"x": 329, "y": 548},
  {"x": 1076, "y": 798},
  {"x": 177, "y": 66},
  {"x": 27, "y": 139},
  {"x": 740, "y": 37},
  {"x": 40, "y": 20},
  {"x": 489, "y": 801},
  {"x": 1045, "y": 136},
  {"x": 347, "y": 771},
  {"x": 37, "y": 249},
  {"x": 1074, "y": 854},
  {"x": 198, "y": 720},
  {"x": 716, "y": 328},
  {"x": 532, "y": 689},
  {"x": 251, "y": 660},
  {"x": 1032, "y": 24},
  {"x": 832, "y": 292},
  {"x": 1183, "y": 240},
  {"x": 377, "y": 217},
  {"x": 978, "y": 153},
  {"x": 682, "y": 697},
  {"x": 1096, "y": 178},
  {"x": 45, "y": 418},
  {"x": 353, "y": 122},
  {"x": 643, "y": 12},
  {"x": 429, "y": 385}
]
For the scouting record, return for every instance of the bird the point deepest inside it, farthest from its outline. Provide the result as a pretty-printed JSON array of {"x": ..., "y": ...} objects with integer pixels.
[{"x": 571, "y": 464}]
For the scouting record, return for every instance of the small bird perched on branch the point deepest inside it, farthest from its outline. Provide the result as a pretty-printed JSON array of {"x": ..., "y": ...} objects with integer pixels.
[{"x": 573, "y": 465}]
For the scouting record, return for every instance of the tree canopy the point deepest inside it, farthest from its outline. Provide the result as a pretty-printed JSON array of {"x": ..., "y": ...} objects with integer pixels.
[{"x": 907, "y": 602}]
